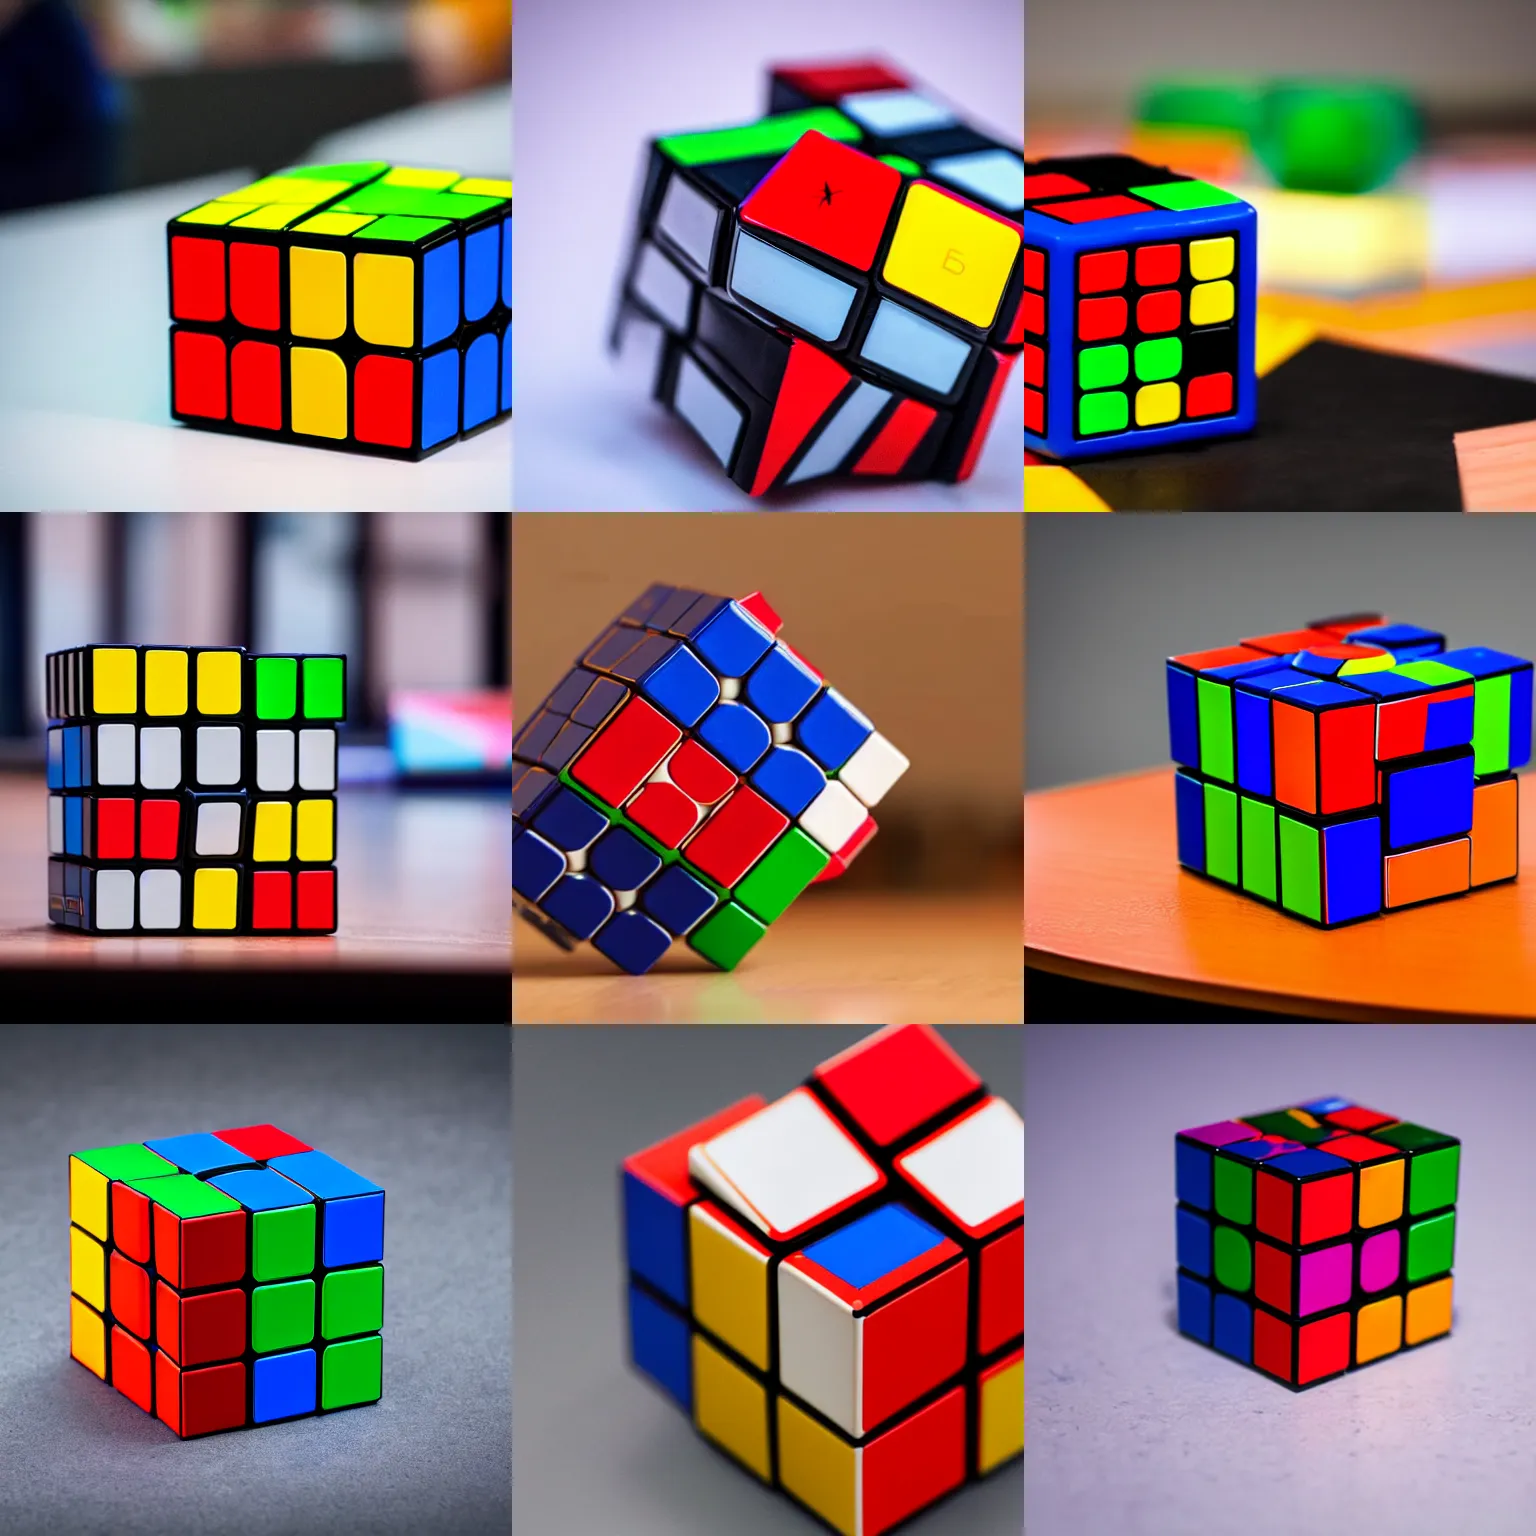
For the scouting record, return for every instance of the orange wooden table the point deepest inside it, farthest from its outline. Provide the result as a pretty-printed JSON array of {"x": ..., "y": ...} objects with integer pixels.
[{"x": 1106, "y": 901}]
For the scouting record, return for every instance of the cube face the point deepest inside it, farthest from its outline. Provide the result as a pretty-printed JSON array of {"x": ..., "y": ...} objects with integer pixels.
[
  {"x": 1139, "y": 301},
  {"x": 365, "y": 307},
  {"x": 1332, "y": 772},
  {"x": 192, "y": 791},
  {"x": 216, "y": 1289},
  {"x": 688, "y": 779},
  {"x": 842, "y": 1317},
  {"x": 835, "y": 289},
  {"x": 1306, "y": 1261}
]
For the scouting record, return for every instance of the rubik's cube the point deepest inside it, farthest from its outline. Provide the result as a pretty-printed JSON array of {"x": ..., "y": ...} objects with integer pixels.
[
  {"x": 358, "y": 306},
  {"x": 834, "y": 289},
  {"x": 1317, "y": 1239},
  {"x": 832, "y": 1286},
  {"x": 1140, "y": 291},
  {"x": 192, "y": 790},
  {"x": 687, "y": 780},
  {"x": 222, "y": 1281},
  {"x": 1349, "y": 768}
]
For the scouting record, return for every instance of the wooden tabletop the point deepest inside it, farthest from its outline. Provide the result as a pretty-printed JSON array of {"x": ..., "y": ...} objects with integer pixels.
[
  {"x": 831, "y": 959},
  {"x": 423, "y": 886},
  {"x": 1106, "y": 901}
]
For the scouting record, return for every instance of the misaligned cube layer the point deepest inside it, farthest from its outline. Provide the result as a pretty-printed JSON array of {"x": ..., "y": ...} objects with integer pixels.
[
  {"x": 833, "y": 289},
  {"x": 192, "y": 790},
  {"x": 1315, "y": 1239},
  {"x": 1349, "y": 768},
  {"x": 831, "y": 1286},
  {"x": 226, "y": 1280},
  {"x": 1138, "y": 309},
  {"x": 688, "y": 779},
  {"x": 354, "y": 306}
]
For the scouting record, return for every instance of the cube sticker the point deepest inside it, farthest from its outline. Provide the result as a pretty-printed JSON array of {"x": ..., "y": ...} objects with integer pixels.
[
  {"x": 223, "y": 822},
  {"x": 1145, "y": 282},
  {"x": 1349, "y": 768},
  {"x": 688, "y": 779},
  {"x": 1315, "y": 1239},
  {"x": 834, "y": 289},
  {"x": 228, "y": 1279},
  {"x": 832, "y": 1286},
  {"x": 361, "y": 306}
]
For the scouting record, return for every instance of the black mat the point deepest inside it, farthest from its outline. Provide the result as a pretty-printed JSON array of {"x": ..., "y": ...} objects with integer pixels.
[{"x": 1341, "y": 429}]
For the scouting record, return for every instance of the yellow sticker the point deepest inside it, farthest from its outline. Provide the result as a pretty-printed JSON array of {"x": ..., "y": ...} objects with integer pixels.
[
  {"x": 318, "y": 390},
  {"x": 383, "y": 299},
  {"x": 165, "y": 682},
  {"x": 952, "y": 255}
]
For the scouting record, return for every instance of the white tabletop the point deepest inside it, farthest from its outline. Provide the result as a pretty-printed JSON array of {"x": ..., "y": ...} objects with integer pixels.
[
  {"x": 594, "y": 82},
  {"x": 84, "y": 387}
]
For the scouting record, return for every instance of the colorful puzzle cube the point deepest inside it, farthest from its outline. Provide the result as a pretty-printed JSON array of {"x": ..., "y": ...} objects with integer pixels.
[
  {"x": 835, "y": 288},
  {"x": 687, "y": 780},
  {"x": 1316, "y": 1239},
  {"x": 832, "y": 1286},
  {"x": 192, "y": 790},
  {"x": 359, "y": 306},
  {"x": 1349, "y": 768},
  {"x": 1140, "y": 287},
  {"x": 221, "y": 1281}
]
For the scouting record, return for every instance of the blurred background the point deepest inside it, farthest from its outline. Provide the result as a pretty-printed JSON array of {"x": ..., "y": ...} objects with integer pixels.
[
  {"x": 118, "y": 115},
  {"x": 1389, "y": 146},
  {"x": 418, "y": 605},
  {"x": 104, "y": 95},
  {"x": 917, "y": 621},
  {"x": 1097, "y": 642},
  {"x": 416, "y": 602}
]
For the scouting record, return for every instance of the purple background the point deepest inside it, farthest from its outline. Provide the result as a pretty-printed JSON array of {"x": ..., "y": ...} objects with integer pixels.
[
  {"x": 594, "y": 79},
  {"x": 1135, "y": 1431}
]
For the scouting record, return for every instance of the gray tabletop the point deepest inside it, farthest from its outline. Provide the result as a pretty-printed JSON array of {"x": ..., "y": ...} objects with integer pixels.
[
  {"x": 423, "y": 1111},
  {"x": 598, "y": 1450},
  {"x": 1136, "y": 1431}
]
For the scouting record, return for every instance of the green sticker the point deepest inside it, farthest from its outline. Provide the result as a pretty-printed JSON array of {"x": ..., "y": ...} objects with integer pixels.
[
  {"x": 1215, "y": 710},
  {"x": 1182, "y": 196},
  {"x": 324, "y": 698},
  {"x": 1490, "y": 725},
  {"x": 1110, "y": 412},
  {"x": 902, "y": 164},
  {"x": 1432, "y": 1179},
  {"x": 352, "y": 1301},
  {"x": 1431, "y": 1245},
  {"x": 131, "y": 1160},
  {"x": 1232, "y": 1259},
  {"x": 353, "y": 172},
  {"x": 282, "y": 1316},
  {"x": 394, "y": 226},
  {"x": 1232, "y": 1183},
  {"x": 1160, "y": 359},
  {"x": 1221, "y": 833},
  {"x": 1300, "y": 887},
  {"x": 726, "y": 935},
  {"x": 185, "y": 1196},
  {"x": 283, "y": 1243},
  {"x": 781, "y": 874},
  {"x": 277, "y": 687},
  {"x": 1259, "y": 867},
  {"x": 1428, "y": 670},
  {"x": 352, "y": 1372},
  {"x": 1098, "y": 367},
  {"x": 768, "y": 136}
]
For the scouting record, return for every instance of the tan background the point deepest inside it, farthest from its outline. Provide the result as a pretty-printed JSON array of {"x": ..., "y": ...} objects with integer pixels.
[{"x": 916, "y": 619}]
